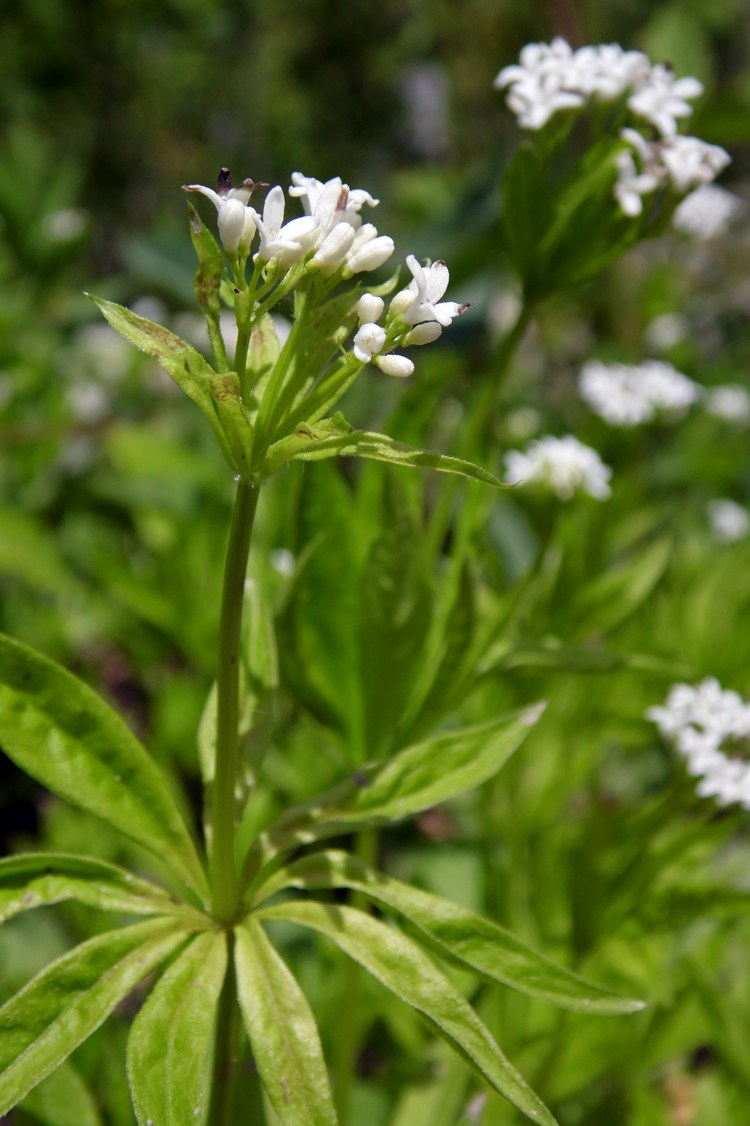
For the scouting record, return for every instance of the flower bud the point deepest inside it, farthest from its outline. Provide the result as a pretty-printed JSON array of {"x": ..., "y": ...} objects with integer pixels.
[
  {"x": 424, "y": 333},
  {"x": 395, "y": 365},
  {"x": 231, "y": 223},
  {"x": 400, "y": 302},
  {"x": 371, "y": 255},
  {"x": 369, "y": 340},
  {"x": 334, "y": 247},
  {"x": 370, "y": 308}
]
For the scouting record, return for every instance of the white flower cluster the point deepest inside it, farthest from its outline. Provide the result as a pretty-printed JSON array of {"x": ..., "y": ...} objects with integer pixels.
[
  {"x": 674, "y": 161},
  {"x": 707, "y": 212},
  {"x": 701, "y": 721},
  {"x": 729, "y": 521},
  {"x": 633, "y": 394},
  {"x": 562, "y": 465},
  {"x": 552, "y": 76},
  {"x": 416, "y": 315},
  {"x": 331, "y": 227}
]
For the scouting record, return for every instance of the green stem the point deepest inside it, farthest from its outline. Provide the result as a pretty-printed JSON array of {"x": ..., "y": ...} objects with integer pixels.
[
  {"x": 226, "y": 1049},
  {"x": 223, "y": 813}
]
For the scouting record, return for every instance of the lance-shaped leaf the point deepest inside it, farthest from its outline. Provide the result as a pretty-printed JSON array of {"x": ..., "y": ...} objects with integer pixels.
[
  {"x": 405, "y": 969},
  {"x": 65, "y": 736},
  {"x": 334, "y": 437},
  {"x": 180, "y": 360},
  {"x": 42, "y": 1024},
  {"x": 207, "y": 281},
  {"x": 225, "y": 391},
  {"x": 415, "y": 779},
  {"x": 169, "y": 1047},
  {"x": 62, "y": 1099},
  {"x": 456, "y": 932},
  {"x": 283, "y": 1034},
  {"x": 40, "y": 878}
]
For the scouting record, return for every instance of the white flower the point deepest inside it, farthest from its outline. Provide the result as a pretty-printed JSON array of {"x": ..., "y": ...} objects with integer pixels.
[
  {"x": 286, "y": 243},
  {"x": 631, "y": 185},
  {"x": 236, "y": 220},
  {"x": 563, "y": 465},
  {"x": 699, "y": 720},
  {"x": 707, "y": 212},
  {"x": 368, "y": 341},
  {"x": 730, "y": 402},
  {"x": 331, "y": 202},
  {"x": 629, "y": 395},
  {"x": 368, "y": 250},
  {"x": 660, "y": 98},
  {"x": 729, "y": 521},
  {"x": 394, "y": 364},
  {"x": 423, "y": 333},
  {"x": 370, "y": 308},
  {"x": 332, "y": 251},
  {"x": 420, "y": 301},
  {"x": 690, "y": 162}
]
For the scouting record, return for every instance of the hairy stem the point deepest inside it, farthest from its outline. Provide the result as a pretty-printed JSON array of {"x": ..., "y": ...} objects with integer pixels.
[{"x": 223, "y": 813}]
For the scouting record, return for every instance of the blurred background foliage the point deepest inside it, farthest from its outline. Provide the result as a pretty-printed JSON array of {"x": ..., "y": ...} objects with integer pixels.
[{"x": 113, "y": 503}]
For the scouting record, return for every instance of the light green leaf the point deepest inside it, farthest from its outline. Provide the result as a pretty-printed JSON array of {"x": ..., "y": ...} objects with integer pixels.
[
  {"x": 474, "y": 941},
  {"x": 404, "y": 968},
  {"x": 180, "y": 360},
  {"x": 333, "y": 437},
  {"x": 62, "y": 1099},
  {"x": 169, "y": 1047},
  {"x": 38, "y": 879},
  {"x": 61, "y": 733},
  {"x": 42, "y": 1024},
  {"x": 406, "y": 783},
  {"x": 283, "y": 1034}
]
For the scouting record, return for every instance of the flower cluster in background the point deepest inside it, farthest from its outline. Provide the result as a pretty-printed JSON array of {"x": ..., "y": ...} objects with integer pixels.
[
  {"x": 563, "y": 466},
  {"x": 633, "y": 394},
  {"x": 553, "y": 77},
  {"x": 706, "y": 724},
  {"x": 708, "y": 212},
  {"x": 729, "y": 521}
]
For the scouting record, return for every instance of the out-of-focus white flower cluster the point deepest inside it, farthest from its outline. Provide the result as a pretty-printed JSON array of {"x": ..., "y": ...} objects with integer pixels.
[
  {"x": 563, "y": 466},
  {"x": 703, "y": 722},
  {"x": 708, "y": 211},
  {"x": 628, "y": 395},
  {"x": 633, "y": 394},
  {"x": 550, "y": 77},
  {"x": 729, "y": 521}
]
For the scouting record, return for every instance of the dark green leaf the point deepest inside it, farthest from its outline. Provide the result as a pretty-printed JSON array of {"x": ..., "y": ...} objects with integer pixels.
[
  {"x": 169, "y": 1047},
  {"x": 42, "y": 1024},
  {"x": 40, "y": 878},
  {"x": 64, "y": 735},
  {"x": 207, "y": 282},
  {"x": 283, "y": 1034},
  {"x": 404, "y": 968},
  {"x": 476, "y": 942}
]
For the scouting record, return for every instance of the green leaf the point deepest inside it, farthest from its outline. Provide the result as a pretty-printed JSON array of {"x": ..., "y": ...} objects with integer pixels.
[
  {"x": 207, "y": 282},
  {"x": 476, "y": 942},
  {"x": 404, "y": 968},
  {"x": 42, "y": 1024},
  {"x": 334, "y": 437},
  {"x": 225, "y": 391},
  {"x": 40, "y": 878},
  {"x": 407, "y": 783},
  {"x": 169, "y": 1047},
  {"x": 61, "y": 733},
  {"x": 525, "y": 196},
  {"x": 62, "y": 1099},
  {"x": 395, "y": 600},
  {"x": 180, "y": 360},
  {"x": 283, "y": 1034}
]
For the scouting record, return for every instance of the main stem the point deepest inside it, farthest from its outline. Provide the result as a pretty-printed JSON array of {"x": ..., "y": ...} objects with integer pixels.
[{"x": 223, "y": 866}]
